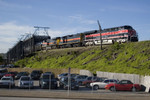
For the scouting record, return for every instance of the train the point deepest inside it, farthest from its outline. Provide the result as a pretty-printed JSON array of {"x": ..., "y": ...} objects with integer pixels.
[
  {"x": 119, "y": 34},
  {"x": 36, "y": 43}
]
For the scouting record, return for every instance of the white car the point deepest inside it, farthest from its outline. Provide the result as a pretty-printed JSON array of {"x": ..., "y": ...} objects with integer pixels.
[
  {"x": 7, "y": 82},
  {"x": 98, "y": 85},
  {"x": 25, "y": 82}
]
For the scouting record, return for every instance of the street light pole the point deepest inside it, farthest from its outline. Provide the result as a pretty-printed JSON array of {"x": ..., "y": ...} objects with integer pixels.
[{"x": 100, "y": 31}]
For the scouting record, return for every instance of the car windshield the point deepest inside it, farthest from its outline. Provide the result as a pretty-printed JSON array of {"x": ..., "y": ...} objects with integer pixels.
[
  {"x": 91, "y": 78},
  {"x": 64, "y": 74},
  {"x": 6, "y": 78},
  {"x": 48, "y": 76},
  {"x": 37, "y": 72},
  {"x": 22, "y": 73},
  {"x": 25, "y": 78}
]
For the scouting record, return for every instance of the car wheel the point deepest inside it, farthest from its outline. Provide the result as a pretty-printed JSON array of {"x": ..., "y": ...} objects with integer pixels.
[
  {"x": 95, "y": 87},
  {"x": 112, "y": 89},
  {"x": 134, "y": 89}
]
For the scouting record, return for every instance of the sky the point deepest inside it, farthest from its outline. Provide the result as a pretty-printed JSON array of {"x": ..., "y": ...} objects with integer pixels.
[{"x": 18, "y": 17}]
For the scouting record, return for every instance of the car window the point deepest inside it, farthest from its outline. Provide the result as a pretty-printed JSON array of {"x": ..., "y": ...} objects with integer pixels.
[
  {"x": 25, "y": 78},
  {"x": 89, "y": 78},
  {"x": 112, "y": 80},
  {"x": 125, "y": 82},
  {"x": 106, "y": 81},
  {"x": 48, "y": 76},
  {"x": 94, "y": 78},
  {"x": 129, "y": 82},
  {"x": 79, "y": 77}
]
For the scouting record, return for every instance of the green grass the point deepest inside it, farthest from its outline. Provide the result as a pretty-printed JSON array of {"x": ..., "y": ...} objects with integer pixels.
[{"x": 133, "y": 58}]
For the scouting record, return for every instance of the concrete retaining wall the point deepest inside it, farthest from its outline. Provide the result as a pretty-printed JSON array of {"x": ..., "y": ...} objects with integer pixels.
[
  {"x": 145, "y": 81},
  {"x": 86, "y": 72},
  {"x": 120, "y": 76}
]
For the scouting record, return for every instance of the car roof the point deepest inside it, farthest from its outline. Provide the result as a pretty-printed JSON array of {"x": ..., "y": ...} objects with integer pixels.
[
  {"x": 47, "y": 74},
  {"x": 110, "y": 79}
]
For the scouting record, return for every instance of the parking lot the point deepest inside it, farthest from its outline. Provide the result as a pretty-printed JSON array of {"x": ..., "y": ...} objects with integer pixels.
[{"x": 82, "y": 89}]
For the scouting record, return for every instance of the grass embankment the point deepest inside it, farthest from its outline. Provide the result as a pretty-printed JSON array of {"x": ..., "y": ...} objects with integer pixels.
[{"x": 120, "y": 58}]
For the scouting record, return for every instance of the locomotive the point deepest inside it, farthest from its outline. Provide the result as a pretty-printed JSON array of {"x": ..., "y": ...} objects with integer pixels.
[{"x": 109, "y": 36}]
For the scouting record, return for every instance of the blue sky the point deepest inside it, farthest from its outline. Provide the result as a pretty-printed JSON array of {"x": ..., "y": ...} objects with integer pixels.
[{"x": 18, "y": 17}]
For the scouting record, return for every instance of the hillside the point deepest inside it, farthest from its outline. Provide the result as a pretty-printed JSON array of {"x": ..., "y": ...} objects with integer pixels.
[{"x": 121, "y": 58}]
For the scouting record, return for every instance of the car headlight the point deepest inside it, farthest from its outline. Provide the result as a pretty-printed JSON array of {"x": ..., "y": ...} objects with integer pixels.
[{"x": 44, "y": 82}]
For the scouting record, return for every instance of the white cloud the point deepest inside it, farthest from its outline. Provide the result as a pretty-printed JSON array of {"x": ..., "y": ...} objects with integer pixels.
[
  {"x": 65, "y": 31},
  {"x": 82, "y": 20},
  {"x": 9, "y": 34},
  {"x": 7, "y": 5}
]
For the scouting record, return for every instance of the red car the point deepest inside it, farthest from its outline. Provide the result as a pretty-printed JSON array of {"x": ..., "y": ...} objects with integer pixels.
[
  {"x": 123, "y": 85},
  {"x": 12, "y": 74}
]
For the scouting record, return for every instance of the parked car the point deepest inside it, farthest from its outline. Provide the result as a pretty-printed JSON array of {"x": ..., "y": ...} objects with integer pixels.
[
  {"x": 62, "y": 75},
  {"x": 7, "y": 82},
  {"x": 80, "y": 78},
  {"x": 50, "y": 73},
  {"x": 92, "y": 79},
  {"x": 21, "y": 74},
  {"x": 36, "y": 74},
  {"x": 63, "y": 83},
  {"x": 11, "y": 74},
  {"x": 3, "y": 72},
  {"x": 98, "y": 85},
  {"x": 48, "y": 81},
  {"x": 25, "y": 82},
  {"x": 123, "y": 85},
  {"x": 2, "y": 66},
  {"x": 66, "y": 75}
]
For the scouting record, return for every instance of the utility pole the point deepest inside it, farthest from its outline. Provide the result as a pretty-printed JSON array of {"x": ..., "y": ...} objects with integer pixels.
[{"x": 100, "y": 31}]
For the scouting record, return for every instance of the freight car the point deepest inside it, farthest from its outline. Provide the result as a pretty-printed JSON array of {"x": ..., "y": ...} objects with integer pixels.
[{"x": 109, "y": 36}]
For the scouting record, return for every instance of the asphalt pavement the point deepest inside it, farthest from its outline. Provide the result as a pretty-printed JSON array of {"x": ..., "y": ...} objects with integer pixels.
[{"x": 23, "y": 98}]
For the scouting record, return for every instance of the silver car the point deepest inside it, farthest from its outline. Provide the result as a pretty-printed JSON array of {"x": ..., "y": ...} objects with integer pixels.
[
  {"x": 25, "y": 82},
  {"x": 7, "y": 82},
  {"x": 98, "y": 85}
]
